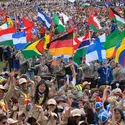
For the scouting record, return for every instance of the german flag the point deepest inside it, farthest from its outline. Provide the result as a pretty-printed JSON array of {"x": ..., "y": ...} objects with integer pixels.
[
  {"x": 62, "y": 45},
  {"x": 33, "y": 49}
]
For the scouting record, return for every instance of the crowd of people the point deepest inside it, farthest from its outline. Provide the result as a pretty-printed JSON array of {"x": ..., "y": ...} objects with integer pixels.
[{"x": 39, "y": 91}]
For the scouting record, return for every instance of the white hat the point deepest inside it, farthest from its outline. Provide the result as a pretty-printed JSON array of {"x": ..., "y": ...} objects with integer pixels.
[
  {"x": 22, "y": 80},
  {"x": 51, "y": 102},
  {"x": 76, "y": 112},
  {"x": 11, "y": 121},
  {"x": 2, "y": 87}
]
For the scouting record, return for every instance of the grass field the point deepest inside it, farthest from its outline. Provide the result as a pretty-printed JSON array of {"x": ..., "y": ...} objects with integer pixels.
[{"x": 2, "y": 64}]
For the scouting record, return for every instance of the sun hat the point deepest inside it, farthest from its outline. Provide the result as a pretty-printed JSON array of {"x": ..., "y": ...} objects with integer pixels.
[
  {"x": 103, "y": 117},
  {"x": 98, "y": 105},
  {"x": 51, "y": 102},
  {"x": 76, "y": 112},
  {"x": 11, "y": 121},
  {"x": 22, "y": 80}
]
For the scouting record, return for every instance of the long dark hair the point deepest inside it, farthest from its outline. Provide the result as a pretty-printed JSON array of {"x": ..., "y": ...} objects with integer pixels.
[
  {"x": 121, "y": 113},
  {"x": 46, "y": 92}
]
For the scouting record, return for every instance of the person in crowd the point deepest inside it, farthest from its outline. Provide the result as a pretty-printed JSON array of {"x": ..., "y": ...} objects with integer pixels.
[{"x": 105, "y": 74}]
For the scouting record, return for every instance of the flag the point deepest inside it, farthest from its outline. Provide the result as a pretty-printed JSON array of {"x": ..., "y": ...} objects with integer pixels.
[
  {"x": 33, "y": 49},
  {"x": 62, "y": 45},
  {"x": 6, "y": 36},
  {"x": 65, "y": 18},
  {"x": 94, "y": 23},
  {"x": 10, "y": 22},
  {"x": 4, "y": 16},
  {"x": 95, "y": 52},
  {"x": 112, "y": 41},
  {"x": 19, "y": 40},
  {"x": 47, "y": 40},
  {"x": 81, "y": 51},
  {"x": 120, "y": 54},
  {"x": 27, "y": 23},
  {"x": 4, "y": 26},
  {"x": 44, "y": 19},
  {"x": 102, "y": 38},
  {"x": 116, "y": 17},
  {"x": 60, "y": 27},
  {"x": 28, "y": 27},
  {"x": 76, "y": 42}
]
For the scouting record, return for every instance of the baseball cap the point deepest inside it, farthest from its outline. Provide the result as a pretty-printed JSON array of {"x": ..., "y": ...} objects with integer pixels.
[
  {"x": 76, "y": 112},
  {"x": 98, "y": 105},
  {"x": 22, "y": 80},
  {"x": 51, "y": 102}
]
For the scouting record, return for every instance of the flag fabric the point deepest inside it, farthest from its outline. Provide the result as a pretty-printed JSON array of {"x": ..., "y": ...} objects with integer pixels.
[
  {"x": 4, "y": 16},
  {"x": 120, "y": 54},
  {"x": 116, "y": 17},
  {"x": 81, "y": 51},
  {"x": 28, "y": 27},
  {"x": 4, "y": 26},
  {"x": 27, "y": 23},
  {"x": 47, "y": 40},
  {"x": 112, "y": 41},
  {"x": 62, "y": 45},
  {"x": 102, "y": 38},
  {"x": 65, "y": 18},
  {"x": 19, "y": 40},
  {"x": 10, "y": 22},
  {"x": 6, "y": 36},
  {"x": 60, "y": 27},
  {"x": 94, "y": 23},
  {"x": 33, "y": 49},
  {"x": 95, "y": 52},
  {"x": 76, "y": 42},
  {"x": 44, "y": 19}
]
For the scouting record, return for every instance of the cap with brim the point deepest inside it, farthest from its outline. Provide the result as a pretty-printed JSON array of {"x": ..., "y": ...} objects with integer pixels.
[
  {"x": 86, "y": 83},
  {"x": 76, "y": 112},
  {"x": 22, "y": 80},
  {"x": 51, "y": 102},
  {"x": 11, "y": 121}
]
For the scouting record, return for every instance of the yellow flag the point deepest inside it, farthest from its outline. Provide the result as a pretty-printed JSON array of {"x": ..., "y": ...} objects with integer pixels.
[{"x": 10, "y": 22}]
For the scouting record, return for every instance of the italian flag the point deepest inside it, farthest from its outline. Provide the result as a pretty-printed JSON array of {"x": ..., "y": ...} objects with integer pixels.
[
  {"x": 116, "y": 17},
  {"x": 60, "y": 27},
  {"x": 6, "y": 36},
  {"x": 94, "y": 23}
]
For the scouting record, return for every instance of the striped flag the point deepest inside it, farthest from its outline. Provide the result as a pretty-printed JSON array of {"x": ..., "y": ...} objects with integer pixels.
[
  {"x": 44, "y": 19},
  {"x": 6, "y": 36},
  {"x": 19, "y": 40},
  {"x": 116, "y": 17},
  {"x": 94, "y": 23}
]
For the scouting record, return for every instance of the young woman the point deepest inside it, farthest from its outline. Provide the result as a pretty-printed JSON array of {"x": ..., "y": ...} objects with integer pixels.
[{"x": 118, "y": 117}]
